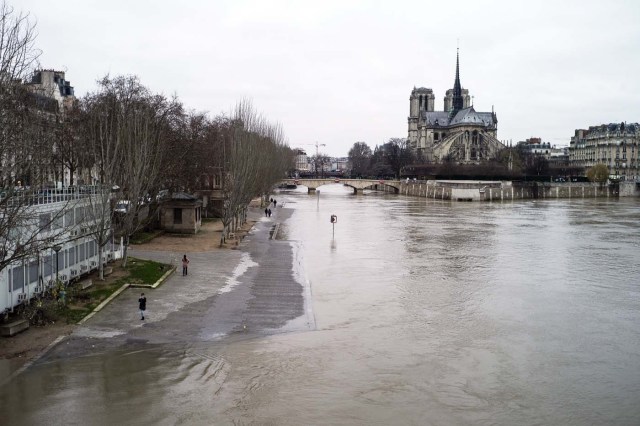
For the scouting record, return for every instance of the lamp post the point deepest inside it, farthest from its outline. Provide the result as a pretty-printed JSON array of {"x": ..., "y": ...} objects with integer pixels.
[{"x": 57, "y": 249}]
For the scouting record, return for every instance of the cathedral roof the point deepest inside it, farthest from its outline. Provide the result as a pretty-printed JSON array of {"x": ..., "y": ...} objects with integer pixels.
[{"x": 464, "y": 116}]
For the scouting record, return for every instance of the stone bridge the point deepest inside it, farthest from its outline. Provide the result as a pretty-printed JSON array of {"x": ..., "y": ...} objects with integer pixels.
[{"x": 358, "y": 185}]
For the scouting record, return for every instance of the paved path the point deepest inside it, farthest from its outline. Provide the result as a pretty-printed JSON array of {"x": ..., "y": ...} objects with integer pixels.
[{"x": 227, "y": 294}]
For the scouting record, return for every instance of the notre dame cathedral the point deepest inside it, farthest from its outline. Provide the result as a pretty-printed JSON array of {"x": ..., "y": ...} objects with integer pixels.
[{"x": 459, "y": 133}]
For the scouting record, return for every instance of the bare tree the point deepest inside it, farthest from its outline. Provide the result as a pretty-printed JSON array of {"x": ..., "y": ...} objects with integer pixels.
[
  {"x": 128, "y": 130},
  {"x": 398, "y": 154},
  {"x": 360, "y": 158},
  {"x": 69, "y": 151},
  {"x": 253, "y": 162},
  {"x": 98, "y": 129},
  {"x": 320, "y": 162},
  {"x": 25, "y": 228},
  {"x": 18, "y": 57},
  {"x": 18, "y": 54}
]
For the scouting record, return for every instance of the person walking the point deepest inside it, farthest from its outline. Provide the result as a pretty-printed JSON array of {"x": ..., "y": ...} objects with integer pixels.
[
  {"x": 269, "y": 212},
  {"x": 185, "y": 264},
  {"x": 142, "y": 304},
  {"x": 266, "y": 212},
  {"x": 274, "y": 203}
]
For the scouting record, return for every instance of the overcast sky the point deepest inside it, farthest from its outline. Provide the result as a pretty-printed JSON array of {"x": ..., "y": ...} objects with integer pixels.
[{"x": 338, "y": 72}]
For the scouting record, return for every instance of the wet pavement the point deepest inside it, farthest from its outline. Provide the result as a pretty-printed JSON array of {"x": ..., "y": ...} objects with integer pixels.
[{"x": 254, "y": 290}]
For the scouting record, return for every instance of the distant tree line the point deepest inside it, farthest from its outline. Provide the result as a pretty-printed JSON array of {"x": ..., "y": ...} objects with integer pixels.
[{"x": 395, "y": 159}]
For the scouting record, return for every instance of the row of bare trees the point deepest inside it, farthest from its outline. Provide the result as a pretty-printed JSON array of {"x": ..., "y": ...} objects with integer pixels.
[{"x": 120, "y": 142}]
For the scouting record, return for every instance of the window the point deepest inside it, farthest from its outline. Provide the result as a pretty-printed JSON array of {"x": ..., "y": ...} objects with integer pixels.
[
  {"x": 68, "y": 218},
  {"x": 177, "y": 216},
  {"x": 45, "y": 222},
  {"x": 33, "y": 272},
  {"x": 79, "y": 215},
  {"x": 71, "y": 257},
  {"x": 48, "y": 265},
  {"x": 18, "y": 278},
  {"x": 57, "y": 220}
]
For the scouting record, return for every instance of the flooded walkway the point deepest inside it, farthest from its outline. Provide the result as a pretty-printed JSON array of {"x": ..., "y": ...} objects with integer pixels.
[{"x": 247, "y": 292}]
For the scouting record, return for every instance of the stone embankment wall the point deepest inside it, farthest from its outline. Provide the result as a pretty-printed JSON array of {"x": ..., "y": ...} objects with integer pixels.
[{"x": 505, "y": 191}]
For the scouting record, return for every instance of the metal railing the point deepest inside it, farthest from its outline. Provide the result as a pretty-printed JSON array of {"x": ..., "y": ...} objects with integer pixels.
[{"x": 29, "y": 197}]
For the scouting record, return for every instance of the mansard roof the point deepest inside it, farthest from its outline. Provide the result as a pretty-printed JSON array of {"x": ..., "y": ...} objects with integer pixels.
[
  {"x": 614, "y": 128},
  {"x": 468, "y": 116}
]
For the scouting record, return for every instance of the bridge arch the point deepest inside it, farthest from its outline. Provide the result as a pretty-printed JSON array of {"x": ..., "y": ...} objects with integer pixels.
[{"x": 358, "y": 185}]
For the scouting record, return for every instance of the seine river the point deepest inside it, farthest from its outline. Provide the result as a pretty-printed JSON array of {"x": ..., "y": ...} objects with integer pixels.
[{"x": 426, "y": 313}]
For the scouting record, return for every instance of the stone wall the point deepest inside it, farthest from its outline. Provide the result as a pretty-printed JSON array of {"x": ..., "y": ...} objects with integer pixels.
[
  {"x": 629, "y": 189},
  {"x": 517, "y": 190}
]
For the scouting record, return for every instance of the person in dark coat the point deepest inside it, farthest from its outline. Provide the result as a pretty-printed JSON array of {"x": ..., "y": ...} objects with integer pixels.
[
  {"x": 142, "y": 304},
  {"x": 185, "y": 265}
]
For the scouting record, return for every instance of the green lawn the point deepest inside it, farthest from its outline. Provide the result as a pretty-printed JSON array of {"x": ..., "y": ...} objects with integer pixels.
[{"x": 81, "y": 302}]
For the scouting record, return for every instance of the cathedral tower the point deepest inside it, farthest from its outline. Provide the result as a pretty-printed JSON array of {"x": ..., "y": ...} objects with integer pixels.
[{"x": 421, "y": 99}]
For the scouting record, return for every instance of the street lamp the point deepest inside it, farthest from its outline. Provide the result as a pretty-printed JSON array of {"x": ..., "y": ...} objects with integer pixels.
[{"x": 57, "y": 249}]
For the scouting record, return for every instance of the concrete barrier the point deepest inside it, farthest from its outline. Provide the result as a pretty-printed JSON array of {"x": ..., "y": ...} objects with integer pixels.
[
  {"x": 85, "y": 284},
  {"x": 14, "y": 327}
]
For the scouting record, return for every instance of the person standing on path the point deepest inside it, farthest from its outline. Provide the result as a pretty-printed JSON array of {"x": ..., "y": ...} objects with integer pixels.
[
  {"x": 185, "y": 264},
  {"x": 142, "y": 304},
  {"x": 266, "y": 212}
]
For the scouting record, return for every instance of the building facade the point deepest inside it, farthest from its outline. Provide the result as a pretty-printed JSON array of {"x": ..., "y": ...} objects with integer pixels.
[
  {"x": 51, "y": 84},
  {"x": 54, "y": 97},
  {"x": 302, "y": 161},
  {"x": 459, "y": 133},
  {"x": 340, "y": 164},
  {"x": 615, "y": 145},
  {"x": 555, "y": 155},
  {"x": 64, "y": 221}
]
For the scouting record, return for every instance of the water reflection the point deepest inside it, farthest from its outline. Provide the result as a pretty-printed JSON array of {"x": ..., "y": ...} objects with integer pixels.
[{"x": 150, "y": 385}]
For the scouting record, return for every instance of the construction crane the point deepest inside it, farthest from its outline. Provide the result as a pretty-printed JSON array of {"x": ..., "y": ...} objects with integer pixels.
[{"x": 317, "y": 145}]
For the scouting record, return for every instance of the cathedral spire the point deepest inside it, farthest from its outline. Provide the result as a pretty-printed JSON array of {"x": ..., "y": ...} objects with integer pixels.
[{"x": 458, "y": 102}]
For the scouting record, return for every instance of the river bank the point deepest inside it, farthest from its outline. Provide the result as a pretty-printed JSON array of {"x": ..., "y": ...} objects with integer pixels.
[{"x": 475, "y": 190}]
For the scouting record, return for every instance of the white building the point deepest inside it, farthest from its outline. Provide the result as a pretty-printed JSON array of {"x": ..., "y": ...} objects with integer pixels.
[
  {"x": 340, "y": 164},
  {"x": 302, "y": 161},
  {"x": 61, "y": 219}
]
